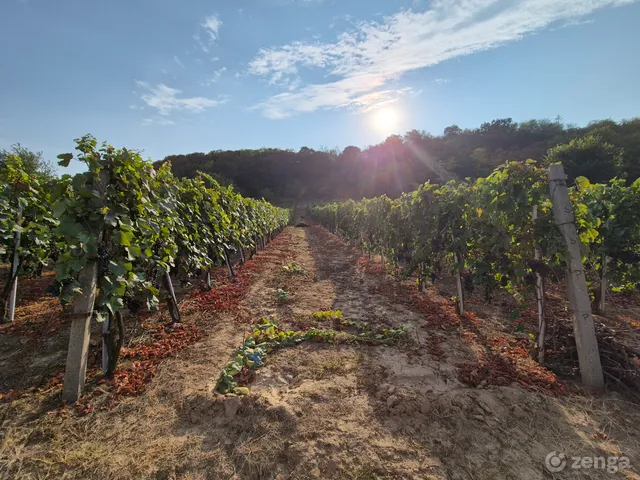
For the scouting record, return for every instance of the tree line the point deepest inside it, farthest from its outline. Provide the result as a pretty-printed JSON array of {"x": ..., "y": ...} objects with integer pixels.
[{"x": 600, "y": 151}]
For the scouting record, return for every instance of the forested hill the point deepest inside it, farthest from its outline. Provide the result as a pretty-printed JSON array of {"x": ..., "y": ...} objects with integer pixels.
[{"x": 599, "y": 151}]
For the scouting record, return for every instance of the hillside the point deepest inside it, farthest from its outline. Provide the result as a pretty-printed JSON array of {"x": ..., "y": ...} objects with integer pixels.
[{"x": 600, "y": 151}]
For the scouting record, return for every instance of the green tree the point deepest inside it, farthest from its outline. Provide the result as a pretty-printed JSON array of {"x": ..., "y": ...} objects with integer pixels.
[
  {"x": 33, "y": 163},
  {"x": 588, "y": 157}
]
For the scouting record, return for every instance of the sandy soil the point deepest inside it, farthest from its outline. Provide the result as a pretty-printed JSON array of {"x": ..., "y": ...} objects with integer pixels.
[{"x": 320, "y": 411}]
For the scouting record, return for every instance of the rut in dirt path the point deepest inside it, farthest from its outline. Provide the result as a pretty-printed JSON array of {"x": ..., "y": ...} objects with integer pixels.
[
  {"x": 358, "y": 296},
  {"x": 329, "y": 391}
]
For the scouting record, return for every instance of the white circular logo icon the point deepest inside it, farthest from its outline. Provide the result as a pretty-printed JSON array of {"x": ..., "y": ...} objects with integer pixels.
[{"x": 555, "y": 462}]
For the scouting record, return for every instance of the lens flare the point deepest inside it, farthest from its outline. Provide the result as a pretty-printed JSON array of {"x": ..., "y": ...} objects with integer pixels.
[{"x": 385, "y": 120}]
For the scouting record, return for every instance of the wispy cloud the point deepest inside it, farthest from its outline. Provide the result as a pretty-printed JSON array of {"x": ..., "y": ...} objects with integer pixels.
[
  {"x": 166, "y": 99},
  {"x": 576, "y": 23},
  {"x": 210, "y": 27},
  {"x": 285, "y": 61},
  {"x": 362, "y": 91},
  {"x": 217, "y": 75},
  {"x": 212, "y": 24},
  {"x": 177, "y": 60},
  {"x": 372, "y": 54},
  {"x": 157, "y": 121}
]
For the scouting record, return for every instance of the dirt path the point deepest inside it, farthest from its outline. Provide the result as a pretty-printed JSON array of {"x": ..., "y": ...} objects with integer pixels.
[{"x": 319, "y": 411}]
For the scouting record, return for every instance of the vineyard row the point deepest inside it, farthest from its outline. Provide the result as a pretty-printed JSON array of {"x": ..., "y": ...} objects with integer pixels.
[
  {"x": 117, "y": 233},
  {"x": 509, "y": 231}
]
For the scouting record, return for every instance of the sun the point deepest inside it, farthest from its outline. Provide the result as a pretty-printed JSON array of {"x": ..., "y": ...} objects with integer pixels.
[{"x": 385, "y": 119}]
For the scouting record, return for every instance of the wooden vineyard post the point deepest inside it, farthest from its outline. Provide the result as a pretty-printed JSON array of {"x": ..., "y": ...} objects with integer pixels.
[
  {"x": 208, "y": 279},
  {"x": 81, "y": 313},
  {"x": 105, "y": 347},
  {"x": 456, "y": 259},
  {"x": 542, "y": 322},
  {"x": 14, "y": 269},
  {"x": 232, "y": 276},
  {"x": 579, "y": 304},
  {"x": 603, "y": 285},
  {"x": 459, "y": 285},
  {"x": 172, "y": 302},
  {"x": 74, "y": 375}
]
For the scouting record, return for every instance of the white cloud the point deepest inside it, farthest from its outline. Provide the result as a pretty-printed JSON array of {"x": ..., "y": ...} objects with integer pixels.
[
  {"x": 214, "y": 78},
  {"x": 177, "y": 60},
  {"x": 201, "y": 45},
  {"x": 372, "y": 54},
  {"x": 212, "y": 24},
  {"x": 283, "y": 62},
  {"x": 441, "y": 81},
  {"x": 157, "y": 121},
  {"x": 165, "y": 100},
  {"x": 576, "y": 23},
  {"x": 360, "y": 91}
]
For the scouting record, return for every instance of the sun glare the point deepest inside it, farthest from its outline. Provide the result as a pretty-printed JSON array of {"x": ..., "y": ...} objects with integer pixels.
[{"x": 385, "y": 120}]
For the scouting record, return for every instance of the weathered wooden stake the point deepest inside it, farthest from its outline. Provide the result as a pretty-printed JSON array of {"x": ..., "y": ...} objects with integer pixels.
[
  {"x": 174, "y": 311},
  {"x": 602, "y": 303},
  {"x": 422, "y": 277},
  {"x": 232, "y": 275},
  {"x": 459, "y": 285},
  {"x": 456, "y": 259},
  {"x": 208, "y": 279},
  {"x": 14, "y": 269},
  {"x": 105, "y": 345},
  {"x": 542, "y": 322},
  {"x": 579, "y": 303},
  {"x": 74, "y": 375}
]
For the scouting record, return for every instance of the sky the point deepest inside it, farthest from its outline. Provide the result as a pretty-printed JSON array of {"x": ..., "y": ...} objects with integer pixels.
[{"x": 170, "y": 77}]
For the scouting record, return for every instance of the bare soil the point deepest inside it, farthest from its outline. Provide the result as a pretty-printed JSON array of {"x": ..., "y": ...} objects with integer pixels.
[{"x": 319, "y": 411}]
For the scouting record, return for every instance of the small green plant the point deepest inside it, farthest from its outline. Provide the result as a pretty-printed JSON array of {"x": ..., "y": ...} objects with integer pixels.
[
  {"x": 328, "y": 315},
  {"x": 266, "y": 336},
  {"x": 293, "y": 268},
  {"x": 337, "y": 320},
  {"x": 282, "y": 295}
]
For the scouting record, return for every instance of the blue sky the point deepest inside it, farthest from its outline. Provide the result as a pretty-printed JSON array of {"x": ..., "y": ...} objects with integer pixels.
[{"x": 169, "y": 76}]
